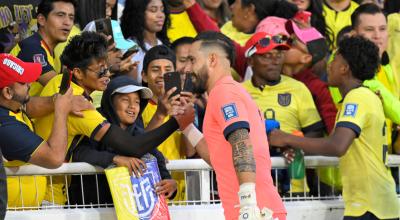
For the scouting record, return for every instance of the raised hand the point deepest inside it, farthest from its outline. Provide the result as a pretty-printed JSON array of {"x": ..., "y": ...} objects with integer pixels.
[
  {"x": 188, "y": 115},
  {"x": 63, "y": 103}
]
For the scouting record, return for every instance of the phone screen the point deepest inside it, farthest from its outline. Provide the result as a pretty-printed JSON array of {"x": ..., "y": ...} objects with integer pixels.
[
  {"x": 65, "y": 81},
  {"x": 104, "y": 26},
  {"x": 171, "y": 80}
]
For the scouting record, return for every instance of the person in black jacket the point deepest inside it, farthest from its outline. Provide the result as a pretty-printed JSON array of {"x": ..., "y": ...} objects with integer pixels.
[{"x": 122, "y": 104}]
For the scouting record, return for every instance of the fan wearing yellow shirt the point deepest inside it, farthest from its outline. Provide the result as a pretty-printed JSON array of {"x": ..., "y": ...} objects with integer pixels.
[
  {"x": 85, "y": 56},
  {"x": 55, "y": 20},
  {"x": 278, "y": 96},
  {"x": 158, "y": 61},
  {"x": 337, "y": 15},
  {"x": 359, "y": 138}
]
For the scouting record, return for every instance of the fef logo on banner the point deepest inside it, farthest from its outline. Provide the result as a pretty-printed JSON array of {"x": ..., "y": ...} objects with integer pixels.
[{"x": 135, "y": 198}]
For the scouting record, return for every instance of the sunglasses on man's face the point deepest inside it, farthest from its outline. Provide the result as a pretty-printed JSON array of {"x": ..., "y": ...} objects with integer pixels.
[
  {"x": 277, "y": 39},
  {"x": 102, "y": 72}
]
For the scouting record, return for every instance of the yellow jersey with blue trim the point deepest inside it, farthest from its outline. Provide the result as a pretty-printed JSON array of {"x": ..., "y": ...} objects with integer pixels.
[
  {"x": 171, "y": 148},
  {"x": 34, "y": 49},
  {"x": 368, "y": 185},
  {"x": 289, "y": 102},
  {"x": 27, "y": 191},
  {"x": 78, "y": 127}
]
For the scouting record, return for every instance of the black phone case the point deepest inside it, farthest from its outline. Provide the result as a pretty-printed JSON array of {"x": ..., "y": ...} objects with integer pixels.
[
  {"x": 188, "y": 86},
  {"x": 104, "y": 26},
  {"x": 65, "y": 81},
  {"x": 130, "y": 51},
  {"x": 172, "y": 79}
]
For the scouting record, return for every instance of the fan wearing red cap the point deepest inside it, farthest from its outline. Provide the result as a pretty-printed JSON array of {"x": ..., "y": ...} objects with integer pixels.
[
  {"x": 17, "y": 140},
  {"x": 280, "y": 97}
]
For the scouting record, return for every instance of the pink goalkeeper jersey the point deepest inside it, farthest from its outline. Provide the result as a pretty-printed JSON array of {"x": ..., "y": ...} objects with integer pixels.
[{"x": 230, "y": 107}]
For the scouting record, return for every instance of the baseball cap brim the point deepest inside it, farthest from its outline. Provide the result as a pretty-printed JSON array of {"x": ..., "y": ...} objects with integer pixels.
[
  {"x": 145, "y": 93},
  {"x": 304, "y": 35},
  {"x": 120, "y": 42},
  {"x": 253, "y": 47}
]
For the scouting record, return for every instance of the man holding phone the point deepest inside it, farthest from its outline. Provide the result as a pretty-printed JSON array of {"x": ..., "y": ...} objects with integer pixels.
[
  {"x": 18, "y": 141},
  {"x": 158, "y": 65},
  {"x": 120, "y": 50}
]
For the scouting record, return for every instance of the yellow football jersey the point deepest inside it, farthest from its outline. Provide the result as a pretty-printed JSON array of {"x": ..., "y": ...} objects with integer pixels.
[
  {"x": 367, "y": 183},
  {"x": 77, "y": 129},
  {"x": 289, "y": 102},
  {"x": 336, "y": 20},
  {"x": 24, "y": 191},
  {"x": 171, "y": 148}
]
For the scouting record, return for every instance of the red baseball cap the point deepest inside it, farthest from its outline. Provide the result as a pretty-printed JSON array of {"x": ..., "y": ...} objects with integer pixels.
[
  {"x": 14, "y": 70},
  {"x": 262, "y": 42}
]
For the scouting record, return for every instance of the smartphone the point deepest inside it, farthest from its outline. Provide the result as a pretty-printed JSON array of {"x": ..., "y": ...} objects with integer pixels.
[
  {"x": 188, "y": 84},
  {"x": 104, "y": 26},
  {"x": 130, "y": 51},
  {"x": 65, "y": 81},
  {"x": 303, "y": 16},
  {"x": 171, "y": 80}
]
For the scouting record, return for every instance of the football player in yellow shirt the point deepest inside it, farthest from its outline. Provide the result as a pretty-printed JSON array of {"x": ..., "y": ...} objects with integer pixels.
[{"x": 359, "y": 138}]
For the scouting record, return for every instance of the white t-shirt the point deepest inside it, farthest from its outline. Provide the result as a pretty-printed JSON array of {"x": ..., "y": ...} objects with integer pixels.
[{"x": 139, "y": 56}]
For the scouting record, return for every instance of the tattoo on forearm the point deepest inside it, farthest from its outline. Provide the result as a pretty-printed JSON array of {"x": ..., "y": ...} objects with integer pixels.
[{"x": 242, "y": 151}]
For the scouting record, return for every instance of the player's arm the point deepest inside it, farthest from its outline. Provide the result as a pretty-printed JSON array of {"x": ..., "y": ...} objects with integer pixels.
[
  {"x": 242, "y": 154},
  {"x": 245, "y": 167},
  {"x": 51, "y": 153},
  {"x": 334, "y": 145}
]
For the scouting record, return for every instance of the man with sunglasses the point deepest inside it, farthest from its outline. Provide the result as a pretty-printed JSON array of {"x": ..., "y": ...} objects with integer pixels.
[
  {"x": 280, "y": 97},
  {"x": 85, "y": 56}
]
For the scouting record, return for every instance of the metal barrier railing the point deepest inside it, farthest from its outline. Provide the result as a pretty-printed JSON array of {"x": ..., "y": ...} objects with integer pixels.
[{"x": 204, "y": 191}]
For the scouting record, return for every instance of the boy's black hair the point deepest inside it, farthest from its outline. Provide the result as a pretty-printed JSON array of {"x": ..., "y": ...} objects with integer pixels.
[
  {"x": 362, "y": 56},
  {"x": 83, "y": 49},
  {"x": 181, "y": 41},
  {"x": 156, "y": 53},
  {"x": 212, "y": 38}
]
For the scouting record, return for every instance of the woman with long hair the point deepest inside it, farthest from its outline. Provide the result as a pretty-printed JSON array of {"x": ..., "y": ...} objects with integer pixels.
[{"x": 145, "y": 22}]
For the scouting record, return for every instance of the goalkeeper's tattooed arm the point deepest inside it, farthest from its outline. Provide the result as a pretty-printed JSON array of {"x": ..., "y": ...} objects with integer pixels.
[{"x": 242, "y": 153}]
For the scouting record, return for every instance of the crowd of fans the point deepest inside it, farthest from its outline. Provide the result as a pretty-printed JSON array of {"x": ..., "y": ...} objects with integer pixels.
[{"x": 118, "y": 110}]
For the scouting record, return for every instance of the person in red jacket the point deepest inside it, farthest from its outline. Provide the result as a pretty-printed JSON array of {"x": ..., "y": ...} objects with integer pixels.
[{"x": 308, "y": 48}]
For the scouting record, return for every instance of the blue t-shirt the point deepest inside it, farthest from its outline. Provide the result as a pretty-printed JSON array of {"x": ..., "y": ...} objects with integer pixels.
[{"x": 18, "y": 141}]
